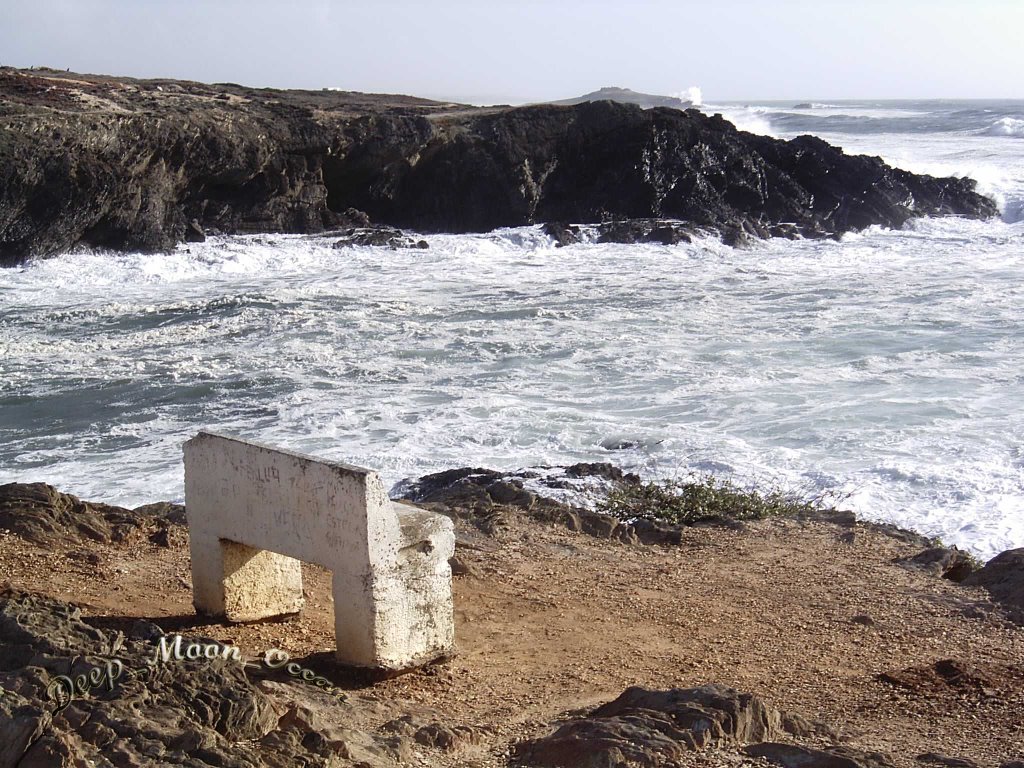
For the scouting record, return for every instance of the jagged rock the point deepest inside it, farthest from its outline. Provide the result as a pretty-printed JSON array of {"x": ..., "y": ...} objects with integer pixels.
[
  {"x": 480, "y": 495},
  {"x": 194, "y": 233},
  {"x": 947, "y": 562},
  {"x": 429, "y": 733},
  {"x": 654, "y": 728},
  {"x": 1003, "y": 577},
  {"x": 955, "y": 677},
  {"x": 133, "y": 174},
  {"x": 603, "y": 470},
  {"x": 563, "y": 234},
  {"x": 644, "y": 231},
  {"x": 194, "y": 712},
  {"x": 379, "y": 236},
  {"x": 447, "y": 486},
  {"x": 41, "y": 514},
  {"x": 793, "y": 756},
  {"x": 510, "y": 492}
]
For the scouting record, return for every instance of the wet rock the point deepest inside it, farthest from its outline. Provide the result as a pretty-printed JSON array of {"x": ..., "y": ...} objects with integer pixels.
[
  {"x": 793, "y": 756},
  {"x": 511, "y": 493},
  {"x": 438, "y": 487},
  {"x": 643, "y": 231},
  {"x": 194, "y": 232},
  {"x": 563, "y": 234},
  {"x": 1003, "y": 577},
  {"x": 379, "y": 236},
  {"x": 653, "y": 728},
  {"x": 353, "y": 217},
  {"x": 603, "y": 470}
]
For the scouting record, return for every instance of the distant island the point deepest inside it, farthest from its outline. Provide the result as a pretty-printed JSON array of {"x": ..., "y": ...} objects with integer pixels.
[{"x": 627, "y": 96}]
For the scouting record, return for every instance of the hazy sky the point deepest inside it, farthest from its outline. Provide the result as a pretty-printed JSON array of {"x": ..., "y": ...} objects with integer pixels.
[{"x": 525, "y": 51}]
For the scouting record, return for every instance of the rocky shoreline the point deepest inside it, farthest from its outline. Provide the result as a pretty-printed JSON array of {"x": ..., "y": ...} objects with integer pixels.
[
  {"x": 584, "y": 640},
  {"x": 142, "y": 165}
]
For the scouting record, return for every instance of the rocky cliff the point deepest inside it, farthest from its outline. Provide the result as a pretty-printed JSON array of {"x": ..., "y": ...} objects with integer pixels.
[{"x": 143, "y": 165}]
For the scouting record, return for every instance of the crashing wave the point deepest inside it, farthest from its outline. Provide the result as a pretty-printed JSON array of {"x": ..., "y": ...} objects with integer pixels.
[{"x": 1006, "y": 126}]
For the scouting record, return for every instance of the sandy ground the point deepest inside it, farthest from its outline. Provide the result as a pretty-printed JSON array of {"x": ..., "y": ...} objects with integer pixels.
[{"x": 552, "y": 621}]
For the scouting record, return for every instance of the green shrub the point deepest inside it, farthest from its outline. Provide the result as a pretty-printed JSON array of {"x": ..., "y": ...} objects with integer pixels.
[{"x": 703, "y": 498}]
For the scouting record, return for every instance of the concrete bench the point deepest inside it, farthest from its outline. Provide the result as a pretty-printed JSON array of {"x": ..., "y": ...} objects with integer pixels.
[{"x": 255, "y": 513}]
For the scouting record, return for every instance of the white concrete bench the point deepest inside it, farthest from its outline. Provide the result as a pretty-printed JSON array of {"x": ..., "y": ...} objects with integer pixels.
[{"x": 255, "y": 513}]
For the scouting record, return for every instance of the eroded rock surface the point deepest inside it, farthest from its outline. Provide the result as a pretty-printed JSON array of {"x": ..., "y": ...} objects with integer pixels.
[
  {"x": 795, "y": 756},
  {"x": 40, "y": 513},
  {"x": 654, "y": 728},
  {"x": 1003, "y": 577},
  {"x": 143, "y": 165},
  {"x": 188, "y": 712}
]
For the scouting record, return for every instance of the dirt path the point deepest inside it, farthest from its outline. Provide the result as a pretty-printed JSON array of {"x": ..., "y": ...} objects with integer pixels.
[{"x": 552, "y": 621}]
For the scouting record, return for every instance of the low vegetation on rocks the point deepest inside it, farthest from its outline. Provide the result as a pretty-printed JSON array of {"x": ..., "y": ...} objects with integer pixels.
[{"x": 704, "y": 498}]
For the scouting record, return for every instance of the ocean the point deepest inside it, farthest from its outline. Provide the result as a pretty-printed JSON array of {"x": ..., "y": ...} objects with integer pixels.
[{"x": 885, "y": 369}]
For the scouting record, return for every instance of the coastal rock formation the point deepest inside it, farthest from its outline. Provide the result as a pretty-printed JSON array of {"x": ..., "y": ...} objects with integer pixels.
[
  {"x": 948, "y": 562},
  {"x": 795, "y": 756},
  {"x": 135, "y": 708},
  {"x": 1003, "y": 577},
  {"x": 654, "y": 728},
  {"x": 40, "y": 513},
  {"x": 144, "y": 165}
]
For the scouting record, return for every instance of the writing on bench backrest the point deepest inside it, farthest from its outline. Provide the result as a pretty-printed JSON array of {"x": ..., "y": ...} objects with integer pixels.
[{"x": 329, "y": 513}]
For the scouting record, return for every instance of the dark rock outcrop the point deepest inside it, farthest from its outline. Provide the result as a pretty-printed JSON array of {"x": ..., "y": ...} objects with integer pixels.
[
  {"x": 143, "y": 165},
  {"x": 40, "y": 513},
  {"x": 387, "y": 237},
  {"x": 644, "y": 231},
  {"x": 956, "y": 678},
  {"x": 948, "y": 562},
  {"x": 654, "y": 728},
  {"x": 1003, "y": 577},
  {"x": 482, "y": 497},
  {"x": 193, "y": 712},
  {"x": 795, "y": 756},
  {"x": 935, "y": 758},
  {"x": 562, "y": 233}
]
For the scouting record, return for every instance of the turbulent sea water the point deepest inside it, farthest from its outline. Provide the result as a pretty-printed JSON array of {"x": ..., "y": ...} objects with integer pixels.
[{"x": 887, "y": 367}]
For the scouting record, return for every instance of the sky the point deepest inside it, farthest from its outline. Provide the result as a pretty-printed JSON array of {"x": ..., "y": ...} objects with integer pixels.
[{"x": 516, "y": 52}]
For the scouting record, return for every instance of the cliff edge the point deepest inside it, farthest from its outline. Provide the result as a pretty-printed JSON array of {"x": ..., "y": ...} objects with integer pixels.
[{"x": 145, "y": 164}]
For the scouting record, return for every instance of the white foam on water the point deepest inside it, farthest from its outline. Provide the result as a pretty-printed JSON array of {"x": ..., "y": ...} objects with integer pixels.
[
  {"x": 750, "y": 119},
  {"x": 1006, "y": 126},
  {"x": 886, "y": 367}
]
